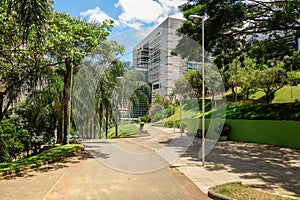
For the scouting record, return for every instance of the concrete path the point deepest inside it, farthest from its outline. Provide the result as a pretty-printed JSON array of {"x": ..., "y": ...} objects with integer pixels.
[
  {"x": 266, "y": 167},
  {"x": 139, "y": 168},
  {"x": 96, "y": 179},
  {"x": 88, "y": 177},
  {"x": 34, "y": 184}
]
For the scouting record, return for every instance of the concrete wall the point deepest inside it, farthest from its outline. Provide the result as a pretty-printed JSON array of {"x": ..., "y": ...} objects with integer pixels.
[{"x": 280, "y": 133}]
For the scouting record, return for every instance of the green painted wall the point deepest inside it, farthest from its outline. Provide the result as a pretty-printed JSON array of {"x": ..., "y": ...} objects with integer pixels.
[{"x": 280, "y": 133}]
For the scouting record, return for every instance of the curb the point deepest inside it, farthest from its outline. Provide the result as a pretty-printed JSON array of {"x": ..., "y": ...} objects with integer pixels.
[
  {"x": 29, "y": 168},
  {"x": 216, "y": 196}
]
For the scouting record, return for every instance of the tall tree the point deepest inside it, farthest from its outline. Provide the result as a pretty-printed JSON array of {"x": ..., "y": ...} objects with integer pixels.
[
  {"x": 70, "y": 40},
  {"x": 270, "y": 80},
  {"x": 190, "y": 85},
  {"x": 106, "y": 85},
  {"x": 95, "y": 64},
  {"x": 22, "y": 51},
  {"x": 236, "y": 26}
]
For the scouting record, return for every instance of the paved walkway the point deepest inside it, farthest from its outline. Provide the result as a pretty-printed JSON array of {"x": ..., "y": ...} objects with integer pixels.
[
  {"x": 270, "y": 168},
  {"x": 34, "y": 184},
  {"x": 86, "y": 177}
]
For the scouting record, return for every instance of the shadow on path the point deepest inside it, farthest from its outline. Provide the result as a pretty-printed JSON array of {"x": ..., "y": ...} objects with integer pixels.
[
  {"x": 275, "y": 167},
  {"x": 62, "y": 163}
]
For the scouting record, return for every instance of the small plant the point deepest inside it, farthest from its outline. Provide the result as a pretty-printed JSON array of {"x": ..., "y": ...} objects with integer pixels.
[{"x": 144, "y": 118}]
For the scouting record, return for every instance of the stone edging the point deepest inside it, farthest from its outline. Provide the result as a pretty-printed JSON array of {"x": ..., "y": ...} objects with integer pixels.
[
  {"x": 16, "y": 172},
  {"x": 217, "y": 196}
]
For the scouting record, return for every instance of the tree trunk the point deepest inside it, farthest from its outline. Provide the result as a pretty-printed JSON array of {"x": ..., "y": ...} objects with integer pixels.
[
  {"x": 1, "y": 105},
  {"x": 100, "y": 120},
  {"x": 87, "y": 128},
  {"x": 106, "y": 121},
  {"x": 91, "y": 128},
  {"x": 95, "y": 127},
  {"x": 247, "y": 95},
  {"x": 60, "y": 125},
  {"x": 233, "y": 93},
  {"x": 67, "y": 98},
  {"x": 268, "y": 96},
  {"x": 116, "y": 122}
]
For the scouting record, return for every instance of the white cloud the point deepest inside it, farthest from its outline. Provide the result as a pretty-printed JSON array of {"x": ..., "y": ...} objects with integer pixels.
[
  {"x": 97, "y": 15},
  {"x": 136, "y": 13},
  {"x": 139, "y": 10}
]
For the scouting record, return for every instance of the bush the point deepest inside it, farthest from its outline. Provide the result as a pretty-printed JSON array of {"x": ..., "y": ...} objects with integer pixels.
[
  {"x": 4, "y": 156},
  {"x": 156, "y": 112},
  {"x": 169, "y": 110},
  {"x": 14, "y": 140},
  {"x": 280, "y": 111},
  {"x": 170, "y": 123},
  {"x": 144, "y": 118}
]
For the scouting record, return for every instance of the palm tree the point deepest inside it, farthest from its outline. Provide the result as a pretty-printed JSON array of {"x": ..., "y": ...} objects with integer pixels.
[{"x": 107, "y": 83}]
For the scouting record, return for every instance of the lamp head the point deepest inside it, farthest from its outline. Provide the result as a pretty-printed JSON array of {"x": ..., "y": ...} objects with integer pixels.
[{"x": 195, "y": 17}]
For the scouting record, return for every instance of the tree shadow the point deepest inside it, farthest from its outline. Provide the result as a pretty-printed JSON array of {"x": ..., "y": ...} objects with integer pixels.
[
  {"x": 275, "y": 166},
  {"x": 50, "y": 166}
]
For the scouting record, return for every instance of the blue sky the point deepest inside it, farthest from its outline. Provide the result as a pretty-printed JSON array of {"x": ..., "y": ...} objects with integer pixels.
[{"x": 134, "y": 19}]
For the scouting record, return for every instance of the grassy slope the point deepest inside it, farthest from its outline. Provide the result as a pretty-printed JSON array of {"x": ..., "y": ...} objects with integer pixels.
[
  {"x": 190, "y": 109},
  {"x": 125, "y": 130},
  {"x": 281, "y": 96},
  {"x": 284, "y": 94},
  {"x": 47, "y": 155}
]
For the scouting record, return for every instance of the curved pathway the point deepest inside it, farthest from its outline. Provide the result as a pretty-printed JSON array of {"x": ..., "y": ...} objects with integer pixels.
[{"x": 145, "y": 174}]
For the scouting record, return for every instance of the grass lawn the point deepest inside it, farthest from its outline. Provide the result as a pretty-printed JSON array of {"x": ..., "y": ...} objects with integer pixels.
[
  {"x": 284, "y": 94},
  {"x": 281, "y": 96},
  {"x": 241, "y": 192},
  {"x": 190, "y": 109},
  {"x": 125, "y": 130},
  {"x": 257, "y": 95},
  {"x": 46, "y": 155}
]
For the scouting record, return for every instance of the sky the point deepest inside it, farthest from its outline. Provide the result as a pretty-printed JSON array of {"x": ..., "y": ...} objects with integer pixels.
[{"x": 133, "y": 19}]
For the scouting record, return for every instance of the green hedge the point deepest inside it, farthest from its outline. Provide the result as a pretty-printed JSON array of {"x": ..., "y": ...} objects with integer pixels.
[{"x": 282, "y": 111}]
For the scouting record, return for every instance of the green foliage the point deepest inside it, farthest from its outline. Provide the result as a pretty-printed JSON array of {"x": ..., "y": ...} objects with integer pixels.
[
  {"x": 158, "y": 99},
  {"x": 144, "y": 118},
  {"x": 227, "y": 34},
  {"x": 293, "y": 78},
  {"x": 242, "y": 192},
  {"x": 22, "y": 58},
  {"x": 127, "y": 130},
  {"x": 170, "y": 123},
  {"x": 282, "y": 111},
  {"x": 160, "y": 108},
  {"x": 14, "y": 138},
  {"x": 183, "y": 87},
  {"x": 156, "y": 112},
  {"x": 169, "y": 110},
  {"x": 4, "y": 155},
  {"x": 104, "y": 91},
  {"x": 270, "y": 80},
  {"x": 190, "y": 85}
]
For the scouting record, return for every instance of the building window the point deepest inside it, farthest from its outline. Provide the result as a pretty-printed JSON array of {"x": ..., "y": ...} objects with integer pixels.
[{"x": 156, "y": 86}]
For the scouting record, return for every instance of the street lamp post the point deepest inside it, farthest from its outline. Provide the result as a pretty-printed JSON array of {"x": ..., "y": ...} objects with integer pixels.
[{"x": 203, "y": 88}]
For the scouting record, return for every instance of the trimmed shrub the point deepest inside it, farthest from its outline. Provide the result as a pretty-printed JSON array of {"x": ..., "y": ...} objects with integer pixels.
[{"x": 280, "y": 111}]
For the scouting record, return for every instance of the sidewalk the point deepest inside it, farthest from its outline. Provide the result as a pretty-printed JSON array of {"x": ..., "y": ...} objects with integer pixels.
[{"x": 266, "y": 167}]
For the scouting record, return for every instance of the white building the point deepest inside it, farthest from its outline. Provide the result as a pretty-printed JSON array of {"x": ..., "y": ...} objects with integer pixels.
[{"x": 153, "y": 54}]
